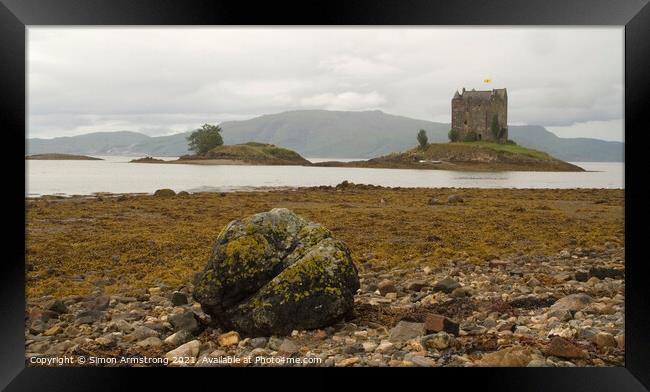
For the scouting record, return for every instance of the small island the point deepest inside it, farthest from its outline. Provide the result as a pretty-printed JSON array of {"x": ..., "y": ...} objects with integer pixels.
[
  {"x": 62, "y": 157},
  {"x": 251, "y": 153},
  {"x": 465, "y": 156}
]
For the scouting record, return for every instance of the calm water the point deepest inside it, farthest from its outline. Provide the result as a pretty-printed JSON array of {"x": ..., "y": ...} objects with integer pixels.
[{"x": 116, "y": 175}]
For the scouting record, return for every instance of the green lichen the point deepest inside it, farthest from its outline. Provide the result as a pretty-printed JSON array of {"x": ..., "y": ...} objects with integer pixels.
[{"x": 246, "y": 249}]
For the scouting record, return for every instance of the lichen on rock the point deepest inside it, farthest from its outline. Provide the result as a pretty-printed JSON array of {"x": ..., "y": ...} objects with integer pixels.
[{"x": 274, "y": 272}]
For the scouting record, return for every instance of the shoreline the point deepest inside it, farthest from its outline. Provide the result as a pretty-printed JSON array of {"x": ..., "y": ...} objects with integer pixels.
[{"x": 515, "y": 256}]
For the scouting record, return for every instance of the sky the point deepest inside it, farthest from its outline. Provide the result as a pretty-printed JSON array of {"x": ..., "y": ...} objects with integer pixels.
[{"x": 160, "y": 81}]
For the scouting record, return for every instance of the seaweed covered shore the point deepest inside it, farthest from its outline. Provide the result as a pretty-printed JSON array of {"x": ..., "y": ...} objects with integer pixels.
[{"x": 449, "y": 277}]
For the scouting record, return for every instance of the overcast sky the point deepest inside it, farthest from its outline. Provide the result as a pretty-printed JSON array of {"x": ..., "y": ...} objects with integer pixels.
[{"x": 166, "y": 80}]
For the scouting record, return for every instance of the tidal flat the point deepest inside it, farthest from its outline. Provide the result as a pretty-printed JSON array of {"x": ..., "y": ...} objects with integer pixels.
[
  {"x": 448, "y": 277},
  {"x": 130, "y": 242}
]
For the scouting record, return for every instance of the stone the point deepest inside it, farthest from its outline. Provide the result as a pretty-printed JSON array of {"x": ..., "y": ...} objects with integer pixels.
[
  {"x": 438, "y": 341},
  {"x": 447, "y": 285},
  {"x": 152, "y": 341},
  {"x": 56, "y": 306},
  {"x": 141, "y": 333},
  {"x": 562, "y": 348},
  {"x": 273, "y": 272},
  {"x": 416, "y": 285},
  {"x": 386, "y": 286},
  {"x": 620, "y": 341},
  {"x": 369, "y": 346},
  {"x": 406, "y": 330},
  {"x": 604, "y": 340},
  {"x": 288, "y": 347},
  {"x": 433, "y": 201},
  {"x": 602, "y": 273},
  {"x": 515, "y": 356},
  {"x": 164, "y": 193},
  {"x": 347, "y": 362},
  {"x": 53, "y": 331},
  {"x": 258, "y": 342},
  {"x": 581, "y": 276},
  {"x": 421, "y": 361},
  {"x": 565, "y": 254},
  {"x": 178, "y": 338},
  {"x": 437, "y": 323},
  {"x": 185, "y": 320},
  {"x": 385, "y": 346},
  {"x": 89, "y": 316},
  {"x": 178, "y": 298},
  {"x": 572, "y": 302},
  {"x": 454, "y": 199},
  {"x": 99, "y": 303},
  {"x": 189, "y": 350},
  {"x": 228, "y": 339},
  {"x": 461, "y": 292}
]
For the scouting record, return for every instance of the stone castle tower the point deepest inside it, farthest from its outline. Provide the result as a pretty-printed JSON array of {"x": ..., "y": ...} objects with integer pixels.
[{"x": 475, "y": 111}]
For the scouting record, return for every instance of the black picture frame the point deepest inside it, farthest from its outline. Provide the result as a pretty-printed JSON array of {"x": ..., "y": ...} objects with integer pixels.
[{"x": 15, "y": 15}]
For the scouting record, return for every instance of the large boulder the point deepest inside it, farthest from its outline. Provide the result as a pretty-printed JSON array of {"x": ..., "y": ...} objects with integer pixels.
[{"x": 274, "y": 272}]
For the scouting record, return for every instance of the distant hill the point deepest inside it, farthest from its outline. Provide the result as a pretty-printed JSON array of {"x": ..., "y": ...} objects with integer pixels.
[{"x": 325, "y": 134}]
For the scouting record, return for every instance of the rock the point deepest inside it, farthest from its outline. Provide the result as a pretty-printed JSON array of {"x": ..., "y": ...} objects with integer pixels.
[
  {"x": 186, "y": 320},
  {"x": 99, "y": 303},
  {"x": 581, "y": 276},
  {"x": 320, "y": 335},
  {"x": 56, "y": 306},
  {"x": 183, "y": 193},
  {"x": 141, "y": 333},
  {"x": 178, "y": 338},
  {"x": 288, "y": 347},
  {"x": 52, "y": 331},
  {"x": 573, "y": 302},
  {"x": 604, "y": 340},
  {"x": 454, "y": 199},
  {"x": 189, "y": 350},
  {"x": 347, "y": 362},
  {"x": 438, "y": 341},
  {"x": 229, "y": 339},
  {"x": 385, "y": 346},
  {"x": 406, "y": 330},
  {"x": 106, "y": 340},
  {"x": 369, "y": 346},
  {"x": 421, "y": 361},
  {"x": 164, "y": 193},
  {"x": 515, "y": 356},
  {"x": 561, "y": 347},
  {"x": 178, "y": 298},
  {"x": 416, "y": 285},
  {"x": 438, "y": 323},
  {"x": 447, "y": 285},
  {"x": 152, "y": 341},
  {"x": 386, "y": 286},
  {"x": 602, "y": 273},
  {"x": 258, "y": 342},
  {"x": 274, "y": 272},
  {"x": 89, "y": 316},
  {"x": 620, "y": 341},
  {"x": 565, "y": 254},
  {"x": 461, "y": 292},
  {"x": 433, "y": 201}
]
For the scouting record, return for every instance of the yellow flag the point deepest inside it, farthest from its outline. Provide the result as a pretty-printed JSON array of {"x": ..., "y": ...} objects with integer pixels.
[{"x": 487, "y": 81}]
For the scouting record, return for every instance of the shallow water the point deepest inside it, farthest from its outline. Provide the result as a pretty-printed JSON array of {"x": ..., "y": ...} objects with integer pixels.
[{"x": 116, "y": 175}]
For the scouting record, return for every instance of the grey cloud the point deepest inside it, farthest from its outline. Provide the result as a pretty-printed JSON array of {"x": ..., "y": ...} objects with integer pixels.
[{"x": 162, "y": 80}]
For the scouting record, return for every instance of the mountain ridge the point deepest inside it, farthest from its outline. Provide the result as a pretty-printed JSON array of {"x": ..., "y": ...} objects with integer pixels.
[{"x": 323, "y": 133}]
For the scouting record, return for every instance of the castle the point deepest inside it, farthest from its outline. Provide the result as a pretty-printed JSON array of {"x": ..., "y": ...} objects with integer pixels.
[{"x": 485, "y": 113}]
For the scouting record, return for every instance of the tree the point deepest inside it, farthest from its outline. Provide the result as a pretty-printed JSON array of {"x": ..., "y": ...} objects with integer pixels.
[
  {"x": 422, "y": 138},
  {"x": 495, "y": 127},
  {"x": 453, "y": 135},
  {"x": 205, "y": 139}
]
